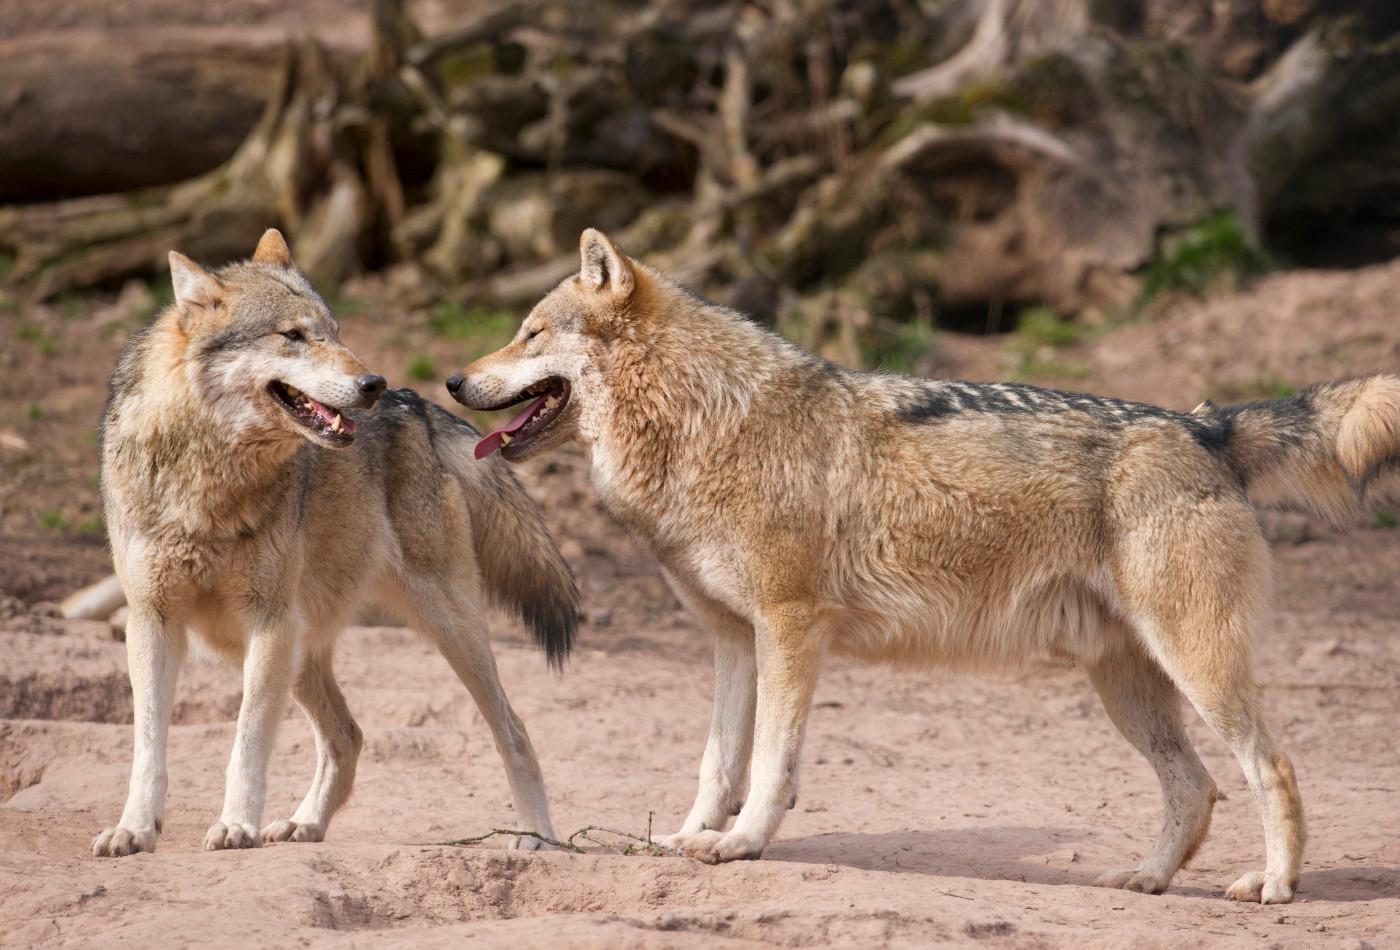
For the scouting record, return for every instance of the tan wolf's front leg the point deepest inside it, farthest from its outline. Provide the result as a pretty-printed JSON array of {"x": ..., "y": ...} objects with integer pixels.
[
  {"x": 725, "y": 766},
  {"x": 788, "y": 658},
  {"x": 267, "y": 682},
  {"x": 154, "y": 651}
]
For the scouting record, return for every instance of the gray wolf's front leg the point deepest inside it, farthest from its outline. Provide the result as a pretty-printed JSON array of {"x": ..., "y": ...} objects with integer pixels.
[
  {"x": 267, "y": 681},
  {"x": 724, "y": 769},
  {"x": 788, "y": 658},
  {"x": 154, "y": 651}
]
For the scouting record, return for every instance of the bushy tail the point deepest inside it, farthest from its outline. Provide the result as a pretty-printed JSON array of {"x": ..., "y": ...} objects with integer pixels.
[
  {"x": 1332, "y": 448},
  {"x": 523, "y": 570}
]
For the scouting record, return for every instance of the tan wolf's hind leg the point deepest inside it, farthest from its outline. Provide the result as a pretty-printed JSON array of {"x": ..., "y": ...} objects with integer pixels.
[
  {"x": 1209, "y": 660},
  {"x": 1146, "y": 708},
  {"x": 338, "y": 744},
  {"x": 454, "y": 624}
]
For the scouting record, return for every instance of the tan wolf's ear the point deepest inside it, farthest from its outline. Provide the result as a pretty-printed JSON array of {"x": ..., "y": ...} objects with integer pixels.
[
  {"x": 272, "y": 249},
  {"x": 195, "y": 288},
  {"x": 602, "y": 267}
]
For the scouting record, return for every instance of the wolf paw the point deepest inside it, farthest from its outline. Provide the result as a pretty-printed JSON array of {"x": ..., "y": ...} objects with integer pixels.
[
  {"x": 288, "y": 830},
  {"x": 1131, "y": 879},
  {"x": 526, "y": 843},
  {"x": 234, "y": 834},
  {"x": 119, "y": 842},
  {"x": 1256, "y": 886},
  {"x": 674, "y": 842},
  {"x": 717, "y": 847}
]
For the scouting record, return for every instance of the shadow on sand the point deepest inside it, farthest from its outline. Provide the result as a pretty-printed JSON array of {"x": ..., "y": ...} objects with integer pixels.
[{"x": 1036, "y": 856}]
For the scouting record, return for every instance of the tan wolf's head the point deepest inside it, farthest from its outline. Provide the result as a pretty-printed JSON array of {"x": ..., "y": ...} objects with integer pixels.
[
  {"x": 261, "y": 350},
  {"x": 555, "y": 359}
]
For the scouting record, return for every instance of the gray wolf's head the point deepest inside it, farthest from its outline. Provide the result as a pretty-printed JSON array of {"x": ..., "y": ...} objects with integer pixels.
[
  {"x": 559, "y": 354},
  {"x": 262, "y": 351}
]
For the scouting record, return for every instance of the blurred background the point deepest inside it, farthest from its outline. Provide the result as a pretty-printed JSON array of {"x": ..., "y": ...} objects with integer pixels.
[{"x": 1164, "y": 199}]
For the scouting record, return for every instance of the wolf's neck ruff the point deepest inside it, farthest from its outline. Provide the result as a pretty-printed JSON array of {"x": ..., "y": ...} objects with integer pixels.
[{"x": 190, "y": 461}]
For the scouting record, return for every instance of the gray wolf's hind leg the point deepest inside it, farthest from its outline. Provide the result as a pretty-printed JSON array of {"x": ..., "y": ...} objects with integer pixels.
[
  {"x": 1145, "y": 706},
  {"x": 453, "y": 622},
  {"x": 338, "y": 744}
]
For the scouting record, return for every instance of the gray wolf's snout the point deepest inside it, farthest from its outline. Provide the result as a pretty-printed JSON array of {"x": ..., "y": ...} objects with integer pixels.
[
  {"x": 371, "y": 387},
  {"x": 454, "y": 383}
]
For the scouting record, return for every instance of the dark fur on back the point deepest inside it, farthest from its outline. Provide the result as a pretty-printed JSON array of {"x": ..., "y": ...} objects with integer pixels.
[
  {"x": 931, "y": 401},
  {"x": 1330, "y": 447}
]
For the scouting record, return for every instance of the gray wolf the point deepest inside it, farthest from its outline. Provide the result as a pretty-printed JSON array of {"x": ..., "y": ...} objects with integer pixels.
[
  {"x": 799, "y": 509},
  {"x": 252, "y": 500}
]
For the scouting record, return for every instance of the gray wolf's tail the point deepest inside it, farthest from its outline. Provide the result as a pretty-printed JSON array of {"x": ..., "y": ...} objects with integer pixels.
[
  {"x": 1332, "y": 447},
  {"x": 523, "y": 570}
]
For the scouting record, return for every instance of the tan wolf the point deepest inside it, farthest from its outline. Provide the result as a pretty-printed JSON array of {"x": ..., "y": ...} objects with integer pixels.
[
  {"x": 249, "y": 503},
  {"x": 801, "y": 508}
]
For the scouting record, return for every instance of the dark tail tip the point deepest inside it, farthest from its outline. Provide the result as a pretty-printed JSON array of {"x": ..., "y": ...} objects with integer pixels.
[{"x": 554, "y": 622}]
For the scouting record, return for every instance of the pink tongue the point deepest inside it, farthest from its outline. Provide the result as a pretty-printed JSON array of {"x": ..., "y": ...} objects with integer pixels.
[
  {"x": 328, "y": 416},
  {"x": 493, "y": 440}
]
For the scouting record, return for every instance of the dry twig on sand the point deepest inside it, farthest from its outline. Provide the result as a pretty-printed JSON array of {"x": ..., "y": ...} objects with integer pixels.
[{"x": 640, "y": 845}]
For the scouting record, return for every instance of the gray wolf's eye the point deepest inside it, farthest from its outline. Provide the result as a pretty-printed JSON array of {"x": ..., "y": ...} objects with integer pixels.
[
  {"x": 295, "y": 336},
  {"x": 531, "y": 335}
]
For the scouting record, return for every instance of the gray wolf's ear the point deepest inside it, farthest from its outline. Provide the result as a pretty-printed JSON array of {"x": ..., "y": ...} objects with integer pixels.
[
  {"x": 272, "y": 249},
  {"x": 195, "y": 288},
  {"x": 602, "y": 267}
]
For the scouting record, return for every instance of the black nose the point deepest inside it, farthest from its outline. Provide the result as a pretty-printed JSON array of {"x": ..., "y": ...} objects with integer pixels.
[
  {"x": 371, "y": 386},
  {"x": 454, "y": 383}
]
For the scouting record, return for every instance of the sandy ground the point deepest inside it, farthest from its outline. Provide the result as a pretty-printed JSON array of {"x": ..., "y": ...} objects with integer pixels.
[{"x": 934, "y": 808}]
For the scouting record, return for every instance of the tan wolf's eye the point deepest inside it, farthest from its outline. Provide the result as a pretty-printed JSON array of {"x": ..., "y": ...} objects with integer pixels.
[
  {"x": 531, "y": 335},
  {"x": 295, "y": 336}
]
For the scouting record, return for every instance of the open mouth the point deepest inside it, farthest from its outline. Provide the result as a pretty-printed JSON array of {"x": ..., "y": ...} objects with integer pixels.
[
  {"x": 547, "y": 398},
  {"x": 326, "y": 422}
]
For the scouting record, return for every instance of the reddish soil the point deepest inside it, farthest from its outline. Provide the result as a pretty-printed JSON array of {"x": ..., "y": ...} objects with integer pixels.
[{"x": 934, "y": 808}]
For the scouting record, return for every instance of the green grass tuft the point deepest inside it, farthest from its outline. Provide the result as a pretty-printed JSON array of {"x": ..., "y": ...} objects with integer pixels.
[
  {"x": 159, "y": 296},
  {"x": 1039, "y": 336},
  {"x": 422, "y": 368},
  {"x": 903, "y": 347},
  {"x": 452, "y": 321},
  {"x": 54, "y": 521},
  {"x": 1264, "y": 386},
  {"x": 1190, "y": 261}
]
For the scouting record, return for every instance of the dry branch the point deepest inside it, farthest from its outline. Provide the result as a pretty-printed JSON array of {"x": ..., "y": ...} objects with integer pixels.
[
  {"x": 641, "y": 845},
  {"x": 984, "y": 52}
]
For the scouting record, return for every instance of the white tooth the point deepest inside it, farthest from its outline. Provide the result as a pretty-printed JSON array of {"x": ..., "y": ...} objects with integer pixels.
[
  {"x": 335, "y": 424},
  {"x": 551, "y": 402},
  {"x": 505, "y": 438}
]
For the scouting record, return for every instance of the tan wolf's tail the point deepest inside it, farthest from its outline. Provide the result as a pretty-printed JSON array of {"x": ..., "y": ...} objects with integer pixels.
[
  {"x": 523, "y": 570},
  {"x": 1332, "y": 447}
]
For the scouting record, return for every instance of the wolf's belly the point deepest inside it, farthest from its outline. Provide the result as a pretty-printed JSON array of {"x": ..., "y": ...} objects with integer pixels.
[{"x": 1055, "y": 619}]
